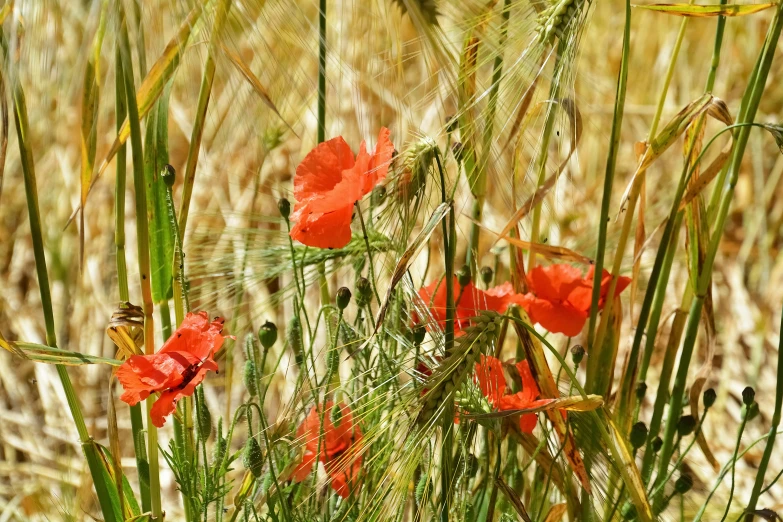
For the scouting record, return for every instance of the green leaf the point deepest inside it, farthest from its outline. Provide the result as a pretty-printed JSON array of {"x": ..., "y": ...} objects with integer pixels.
[
  {"x": 47, "y": 354},
  {"x": 156, "y": 156},
  {"x": 703, "y": 11}
]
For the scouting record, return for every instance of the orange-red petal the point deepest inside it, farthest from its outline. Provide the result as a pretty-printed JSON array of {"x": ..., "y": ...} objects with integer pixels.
[
  {"x": 490, "y": 378},
  {"x": 196, "y": 335},
  {"x": 321, "y": 170},
  {"x": 554, "y": 282},
  {"x": 328, "y": 230},
  {"x": 555, "y": 316}
]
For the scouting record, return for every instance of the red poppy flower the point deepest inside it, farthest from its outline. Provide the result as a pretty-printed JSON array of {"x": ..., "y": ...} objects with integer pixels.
[
  {"x": 178, "y": 367},
  {"x": 470, "y": 301},
  {"x": 328, "y": 182},
  {"x": 560, "y": 298},
  {"x": 338, "y": 447},
  {"x": 490, "y": 378}
]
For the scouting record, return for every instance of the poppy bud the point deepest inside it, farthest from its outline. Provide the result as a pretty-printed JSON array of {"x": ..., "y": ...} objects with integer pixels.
[
  {"x": 709, "y": 398},
  {"x": 463, "y": 276},
  {"x": 267, "y": 334},
  {"x": 169, "y": 176},
  {"x": 336, "y": 415},
  {"x": 748, "y": 396},
  {"x": 252, "y": 459},
  {"x": 250, "y": 347},
  {"x": 363, "y": 292},
  {"x": 657, "y": 444},
  {"x": 295, "y": 336},
  {"x": 628, "y": 511},
  {"x": 221, "y": 444},
  {"x": 577, "y": 354},
  {"x": 343, "y": 298},
  {"x": 486, "y": 275},
  {"x": 683, "y": 484},
  {"x": 203, "y": 416},
  {"x": 378, "y": 195},
  {"x": 638, "y": 435},
  {"x": 284, "y": 207},
  {"x": 641, "y": 389},
  {"x": 686, "y": 425},
  {"x": 422, "y": 486},
  {"x": 418, "y": 334},
  {"x": 249, "y": 376}
]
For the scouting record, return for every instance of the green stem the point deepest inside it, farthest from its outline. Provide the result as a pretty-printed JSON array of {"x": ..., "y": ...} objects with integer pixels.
[
  {"x": 611, "y": 166},
  {"x": 322, "y": 71},
  {"x": 371, "y": 269}
]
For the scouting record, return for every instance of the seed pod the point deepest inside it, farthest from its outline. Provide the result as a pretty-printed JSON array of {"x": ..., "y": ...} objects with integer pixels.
[
  {"x": 378, "y": 195},
  {"x": 343, "y": 298},
  {"x": 169, "y": 176},
  {"x": 641, "y": 390},
  {"x": 284, "y": 206},
  {"x": 709, "y": 398},
  {"x": 252, "y": 459},
  {"x": 657, "y": 444},
  {"x": 487, "y": 274},
  {"x": 418, "y": 334},
  {"x": 249, "y": 377},
  {"x": 577, "y": 353},
  {"x": 748, "y": 396},
  {"x": 203, "y": 417},
  {"x": 363, "y": 292},
  {"x": 463, "y": 276},
  {"x": 686, "y": 425},
  {"x": 267, "y": 334},
  {"x": 638, "y": 435},
  {"x": 683, "y": 484}
]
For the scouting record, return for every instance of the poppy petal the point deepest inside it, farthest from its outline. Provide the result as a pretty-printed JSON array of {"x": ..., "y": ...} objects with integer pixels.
[
  {"x": 196, "y": 335},
  {"x": 305, "y": 467},
  {"x": 329, "y": 230},
  {"x": 490, "y": 378},
  {"x": 322, "y": 169},
  {"x": 380, "y": 160},
  {"x": 554, "y": 281},
  {"x": 527, "y": 423},
  {"x": 555, "y": 316}
]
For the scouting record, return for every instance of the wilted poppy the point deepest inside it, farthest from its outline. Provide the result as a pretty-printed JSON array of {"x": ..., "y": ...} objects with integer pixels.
[
  {"x": 338, "y": 452},
  {"x": 327, "y": 184},
  {"x": 469, "y": 301},
  {"x": 492, "y": 382},
  {"x": 176, "y": 369},
  {"x": 560, "y": 298}
]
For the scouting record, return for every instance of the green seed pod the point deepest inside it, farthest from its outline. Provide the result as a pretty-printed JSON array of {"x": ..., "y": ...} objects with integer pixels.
[
  {"x": 748, "y": 396},
  {"x": 418, "y": 334},
  {"x": 751, "y": 411},
  {"x": 463, "y": 276},
  {"x": 169, "y": 175},
  {"x": 203, "y": 417},
  {"x": 336, "y": 415},
  {"x": 641, "y": 390},
  {"x": 686, "y": 425},
  {"x": 284, "y": 206},
  {"x": 363, "y": 292},
  {"x": 267, "y": 334},
  {"x": 249, "y": 377},
  {"x": 252, "y": 459},
  {"x": 638, "y": 435},
  {"x": 378, "y": 195},
  {"x": 343, "y": 298},
  {"x": 657, "y": 444},
  {"x": 709, "y": 398},
  {"x": 487, "y": 274},
  {"x": 683, "y": 484},
  {"x": 577, "y": 354}
]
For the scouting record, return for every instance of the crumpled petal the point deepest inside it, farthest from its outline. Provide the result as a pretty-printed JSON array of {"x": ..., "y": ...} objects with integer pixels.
[
  {"x": 321, "y": 170},
  {"x": 490, "y": 378},
  {"x": 167, "y": 402},
  {"x": 555, "y": 316},
  {"x": 196, "y": 335}
]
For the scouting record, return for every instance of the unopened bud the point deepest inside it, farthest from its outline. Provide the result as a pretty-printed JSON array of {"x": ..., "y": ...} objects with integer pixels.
[
  {"x": 641, "y": 390},
  {"x": 169, "y": 176},
  {"x": 343, "y": 297},
  {"x": 686, "y": 425},
  {"x": 267, "y": 334},
  {"x": 249, "y": 376},
  {"x": 252, "y": 459},
  {"x": 418, "y": 334},
  {"x": 709, "y": 398},
  {"x": 378, "y": 195},
  {"x": 203, "y": 415},
  {"x": 363, "y": 292},
  {"x": 284, "y": 207},
  {"x": 657, "y": 444},
  {"x": 748, "y": 396},
  {"x": 683, "y": 484},
  {"x": 638, "y": 435},
  {"x": 336, "y": 415},
  {"x": 486, "y": 275},
  {"x": 577, "y": 353}
]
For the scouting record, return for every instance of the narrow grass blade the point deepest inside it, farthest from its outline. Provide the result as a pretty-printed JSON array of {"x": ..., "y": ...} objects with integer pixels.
[
  {"x": 48, "y": 354},
  {"x": 514, "y": 499},
  {"x": 703, "y": 11}
]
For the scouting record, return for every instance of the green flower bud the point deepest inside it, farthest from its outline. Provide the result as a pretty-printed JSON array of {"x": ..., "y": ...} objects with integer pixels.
[
  {"x": 221, "y": 444},
  {"x": 463, "y": 276},
  {"x": 169, "y": 176},
  {"x": 486, "y": 275},
  {"x": 683, "y": 484},
  {"x": 748, "y": 396},
  {"x": 336, "y": 415},
  {"x": 686, "y": 425},
  {"x": 641, "y": 390},
  {"x": 294, "y": 333},
  {"x": 378, "y": 195},
  {"x": 709, "y": 398},
  {"x": 577, "y": 353},
  {"x": 284, "y": 207},
  {"x": 657, "y": 444},
  {"x": 343, "y": 298},
  {"x": 252, "y": 459},
  {"x": 751, "y": 411},
  {"x": 418, "y": 334},
  {"x": 267, "y": 334},
  {"x": 638, "y": 435},
  {"x": 249, "y": 376},
  {"x": 423, "y": 486}
]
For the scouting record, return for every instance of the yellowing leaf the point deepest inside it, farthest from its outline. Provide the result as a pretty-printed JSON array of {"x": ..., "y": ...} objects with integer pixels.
[{"x": 703, "y": 11}]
